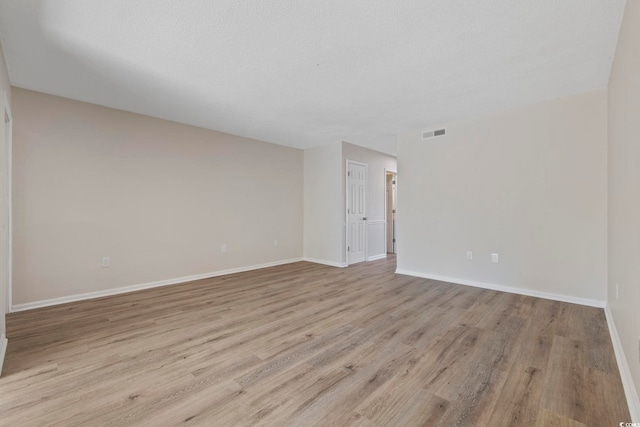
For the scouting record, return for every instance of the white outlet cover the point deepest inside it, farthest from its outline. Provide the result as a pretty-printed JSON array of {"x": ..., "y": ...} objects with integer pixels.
[
  {"x": 469, "y": 255},
  {"x": 495, "y": 258}
]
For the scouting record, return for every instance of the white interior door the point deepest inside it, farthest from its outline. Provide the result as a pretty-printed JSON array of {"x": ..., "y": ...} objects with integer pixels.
[{"x": 356, "y": 212}]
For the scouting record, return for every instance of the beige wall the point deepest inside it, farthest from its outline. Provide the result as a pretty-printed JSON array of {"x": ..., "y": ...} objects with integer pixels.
[
  {"x": 158, "y": 197},
  {"x": 624, "y": 191},
  {"x": 5, "y": 87},
  {"x": 323, "y": 217},
  {"x": 377, "y": 163},
  {"x": 528, "y": 184}
]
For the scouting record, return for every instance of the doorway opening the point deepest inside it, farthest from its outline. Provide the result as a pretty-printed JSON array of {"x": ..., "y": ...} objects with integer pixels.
[{"x": 390, "y": 211}]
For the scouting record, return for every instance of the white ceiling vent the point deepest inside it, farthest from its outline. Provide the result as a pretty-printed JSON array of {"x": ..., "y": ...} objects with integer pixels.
[{"x": 432, "y": 133}]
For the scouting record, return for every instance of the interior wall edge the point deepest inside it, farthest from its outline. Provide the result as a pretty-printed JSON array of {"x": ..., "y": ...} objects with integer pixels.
[
  {"x": 623, "y": 366},
  {"x": 508, "y": 289},
  {"x": 4, "y": 342},
  {"x": 324, "y": 262},
  {"x": 126, "y": 289}
]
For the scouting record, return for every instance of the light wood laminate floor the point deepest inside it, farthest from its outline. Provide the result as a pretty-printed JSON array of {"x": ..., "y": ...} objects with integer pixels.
[{"x": 305, "y": 344}]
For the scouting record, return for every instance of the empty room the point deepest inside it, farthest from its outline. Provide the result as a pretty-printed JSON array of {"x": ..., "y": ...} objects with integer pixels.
[{"x": 331, "y": 213}]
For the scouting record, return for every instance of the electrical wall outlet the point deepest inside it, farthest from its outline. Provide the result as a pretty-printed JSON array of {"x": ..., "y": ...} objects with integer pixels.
[
  {"x": 105, "y": 262},
  {"x": 224, "y": 248},
  {"x": 469, "y": 255},
  {"x": 276, "y": 243},
  {"x": 495, "y": 258}
]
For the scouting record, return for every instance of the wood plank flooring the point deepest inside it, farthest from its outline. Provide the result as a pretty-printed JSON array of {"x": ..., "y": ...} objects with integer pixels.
[{"x": 305, "y": 345}]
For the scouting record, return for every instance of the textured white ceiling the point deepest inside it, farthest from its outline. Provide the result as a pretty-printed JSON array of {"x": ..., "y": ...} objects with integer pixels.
[{"x": 305, "y": 73}]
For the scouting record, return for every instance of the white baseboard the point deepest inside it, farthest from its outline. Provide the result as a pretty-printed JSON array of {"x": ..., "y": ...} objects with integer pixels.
[
  {"x": 625, "y": 373},
  {"x": 3, "y": 350},
  {"x": 375, "y": 257},
  {"x": 509, "y": 289},
  {"x": 325, "y": 262},
  {"x": 132, "y": 288}
]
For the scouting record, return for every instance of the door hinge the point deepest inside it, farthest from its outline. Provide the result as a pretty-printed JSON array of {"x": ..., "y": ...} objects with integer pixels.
[
  {"x": 348, "y": 248},
  {"x": 394, "y": 240},
  {"x": 393, "y": 182},
  {"x": 348, "y": 173},
  {"x": 393, "y": 211}
]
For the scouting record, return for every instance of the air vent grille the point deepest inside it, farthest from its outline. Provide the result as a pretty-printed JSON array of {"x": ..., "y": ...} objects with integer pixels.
[{"x": 432, "y": 133}]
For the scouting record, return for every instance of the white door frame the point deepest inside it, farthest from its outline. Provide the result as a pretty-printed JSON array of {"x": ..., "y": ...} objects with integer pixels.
[
  {"x": 386, "y": 171},
  {"x": 346, "y": 209},
  {"x": 6, "y": 130}
]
